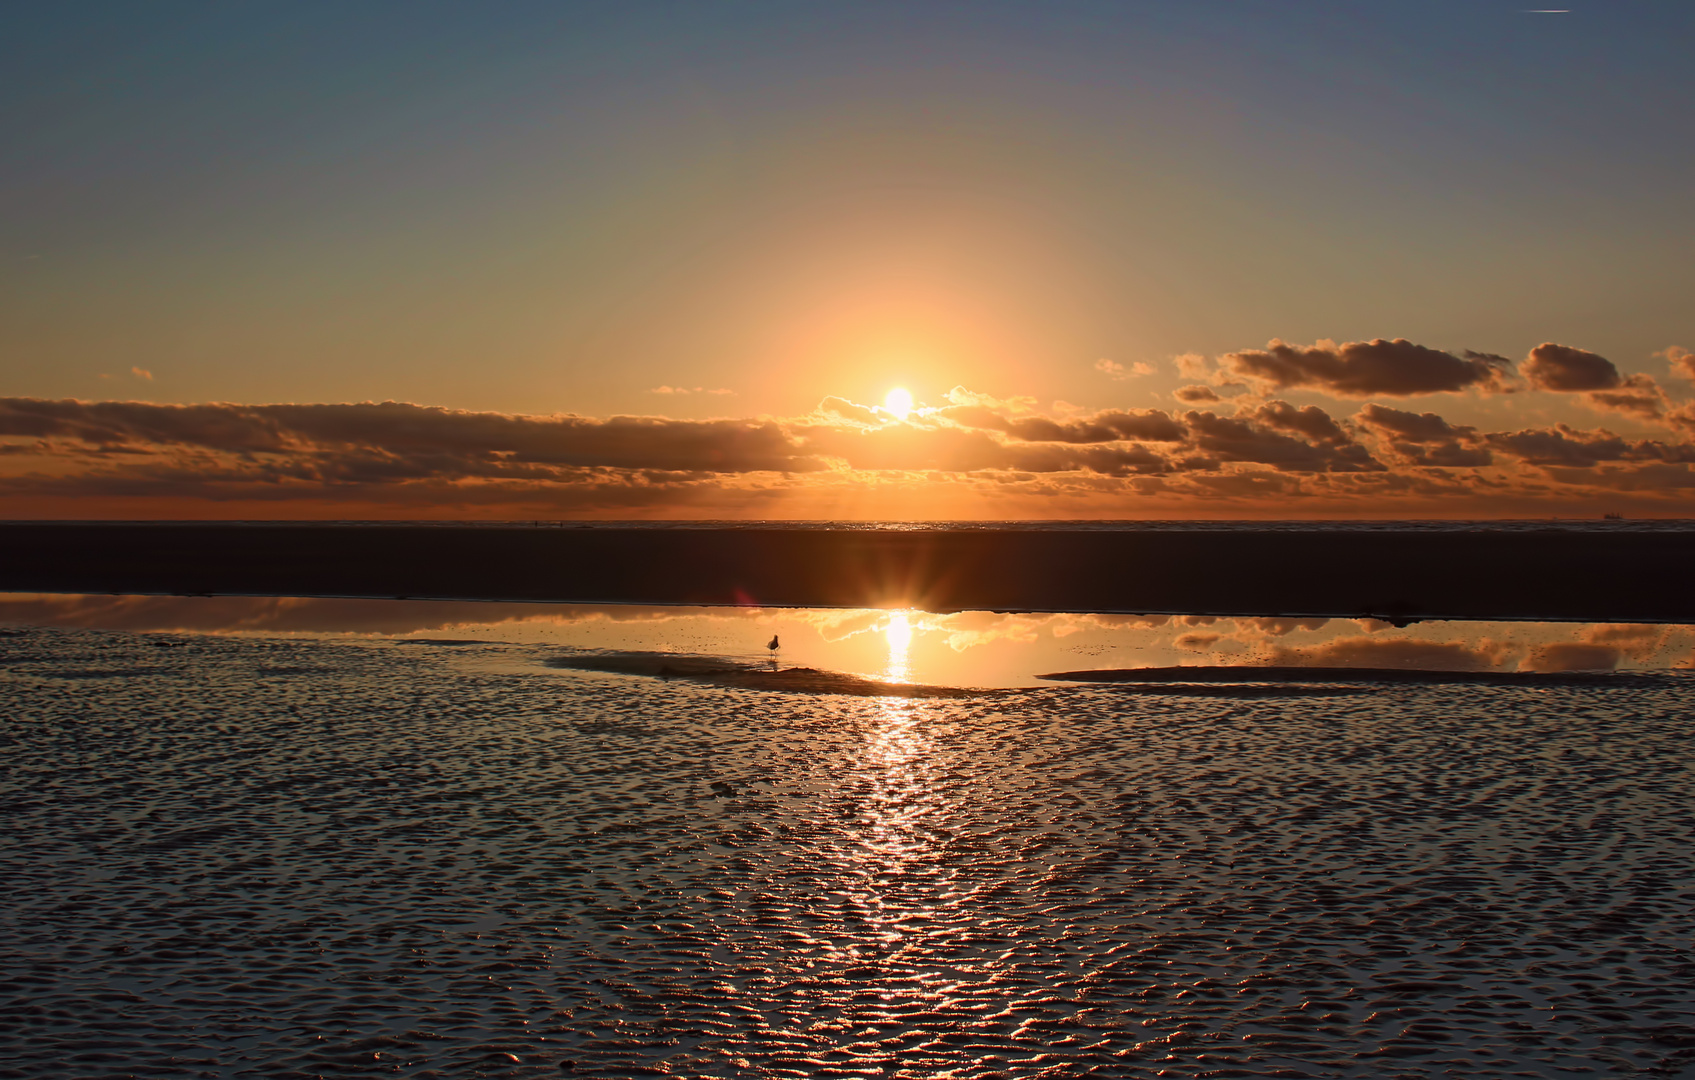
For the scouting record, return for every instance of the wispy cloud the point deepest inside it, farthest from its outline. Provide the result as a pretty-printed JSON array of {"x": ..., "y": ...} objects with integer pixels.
[{"x": 1114, "y": 370}]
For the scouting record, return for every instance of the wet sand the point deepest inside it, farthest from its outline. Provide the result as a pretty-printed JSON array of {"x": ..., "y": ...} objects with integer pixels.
[
  {"x": 1627, "y": 574},
  {"x": 242, "y": 857}
]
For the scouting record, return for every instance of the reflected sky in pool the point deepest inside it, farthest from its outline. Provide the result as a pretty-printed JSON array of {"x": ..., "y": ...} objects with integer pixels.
[{"x": 973, "y": 648}]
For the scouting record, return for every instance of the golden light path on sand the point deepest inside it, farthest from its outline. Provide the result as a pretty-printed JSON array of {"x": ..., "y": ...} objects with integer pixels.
[
  {"x": 892, "y": 870},
  {"x": 439, "y": 856}
]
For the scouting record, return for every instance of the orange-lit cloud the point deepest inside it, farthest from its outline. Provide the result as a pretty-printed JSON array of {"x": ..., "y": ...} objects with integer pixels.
[
  {"x": 1424, "y": 438},
  {"x": 1282, "y": 436},
  {"x": 1113, "y": 369},
  {"x": 1563, "y": 369},
  {"x": 685, "y": 390},
  {"x": 973, "y": 455},
  {"x": 1682, "y": 361}
]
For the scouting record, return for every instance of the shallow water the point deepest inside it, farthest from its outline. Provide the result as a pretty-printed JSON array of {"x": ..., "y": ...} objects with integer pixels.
[
  {"x": 970, "y": 648},
  {"x": 241, "y": 856}
]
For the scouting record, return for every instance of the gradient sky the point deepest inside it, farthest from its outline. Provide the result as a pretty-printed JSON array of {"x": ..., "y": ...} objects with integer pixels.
[{"x": 552, "y": 208}]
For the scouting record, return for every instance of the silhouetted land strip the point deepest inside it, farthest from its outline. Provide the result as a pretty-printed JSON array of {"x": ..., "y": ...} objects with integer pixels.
[
  {"x": 717, "y": 671},
  {"x": 1550, "y": 573},
  {"x": 1154, "y": 676}
]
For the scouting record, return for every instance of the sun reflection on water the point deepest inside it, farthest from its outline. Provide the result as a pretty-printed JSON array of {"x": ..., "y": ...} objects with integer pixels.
[
  {"x": 893, "y": 865},
  {"x": 898, "y": 633}
]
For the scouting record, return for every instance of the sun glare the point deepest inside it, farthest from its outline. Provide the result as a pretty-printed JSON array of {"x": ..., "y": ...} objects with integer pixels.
[
  {"x": 899, "y": 402},
  {"x": 898, "y": 633}
]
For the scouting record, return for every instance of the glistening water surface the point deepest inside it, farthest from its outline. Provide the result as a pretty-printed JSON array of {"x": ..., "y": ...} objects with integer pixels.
[{"x": 266, "y": 856}]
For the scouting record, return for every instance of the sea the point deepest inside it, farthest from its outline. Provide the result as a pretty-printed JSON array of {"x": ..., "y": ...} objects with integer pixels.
[{"x": 274, "y": 837}]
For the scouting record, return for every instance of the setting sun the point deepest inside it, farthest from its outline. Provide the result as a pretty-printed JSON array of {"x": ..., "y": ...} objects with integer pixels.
[{"x": 899, "y": 402}]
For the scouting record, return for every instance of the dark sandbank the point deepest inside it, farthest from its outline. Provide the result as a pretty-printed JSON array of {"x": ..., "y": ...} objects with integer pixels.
[
  {"x": 1394, "y": 572},
  {"x": 1273, "y": 676},
  {"x": 1238, "y": 690},
  {"x": 717, "y": 671}
]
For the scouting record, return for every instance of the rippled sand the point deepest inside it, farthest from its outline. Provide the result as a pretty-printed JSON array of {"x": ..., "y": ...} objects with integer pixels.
[{"x": 297, "y": 858}]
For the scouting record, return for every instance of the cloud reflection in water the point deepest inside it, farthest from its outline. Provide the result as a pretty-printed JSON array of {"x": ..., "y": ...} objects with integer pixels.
[{"x": 972, "y": 648}]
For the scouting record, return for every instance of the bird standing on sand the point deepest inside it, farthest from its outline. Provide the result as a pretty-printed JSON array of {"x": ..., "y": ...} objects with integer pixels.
[{"x": 773, "y": 646}]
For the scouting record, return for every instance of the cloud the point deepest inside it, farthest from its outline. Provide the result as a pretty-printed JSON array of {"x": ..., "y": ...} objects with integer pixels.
[
  {"x": 1682, "y": 361},
  {"x": 1422, "y": 428},
  {"x": 1396, "y": 368},
  {"x": 141, "y": 373},
  {"x": 1196, "y": 642},
  {"x": 1016, "y": 405},
  {"x": 1673, "y": 479},
  {"x": 1638, "y": 395},
  {"x": 1196, "y": 395},
  {"x": 1563, "y": 369},
  {"x": 1311, "y": 422},
  {"x": 1561, "y": 445},
  {"x": 1238, "y": 439},
  {"x": 1115, "y": 370},
  {"x": 913, "y": 447},
  {"x": 1246, "y": 485},
  {"x": 1150, "y": 425},
  {"x": 1192, "y": 366},
  {"x": 852, "y": 410},
  {"x": 399, "y": 439},
  {"x": 1424, "y": 438},
  {"x": 977, "y": 456}
]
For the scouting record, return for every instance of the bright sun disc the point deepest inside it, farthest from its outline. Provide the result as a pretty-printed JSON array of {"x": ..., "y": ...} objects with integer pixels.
[{"x": 898, "y": 402}]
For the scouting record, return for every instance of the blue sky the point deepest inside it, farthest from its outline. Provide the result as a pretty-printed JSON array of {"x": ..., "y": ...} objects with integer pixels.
[{"x": 552, "y": 207}]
